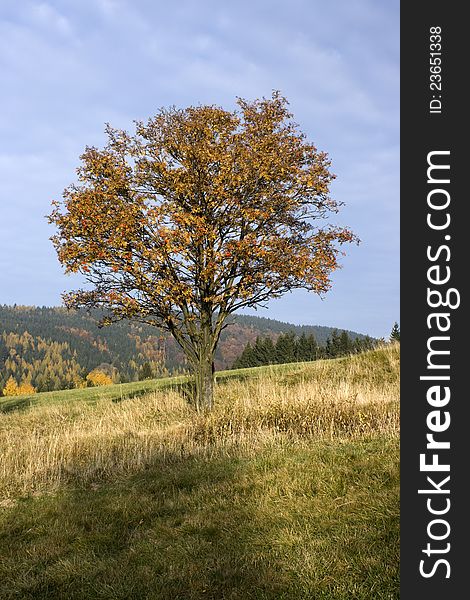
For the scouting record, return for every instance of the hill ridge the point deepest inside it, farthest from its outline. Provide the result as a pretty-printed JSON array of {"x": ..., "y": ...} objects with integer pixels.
[{"x": 55, "y": 348}]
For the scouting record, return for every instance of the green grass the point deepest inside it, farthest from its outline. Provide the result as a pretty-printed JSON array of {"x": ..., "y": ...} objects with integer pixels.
[
  {"x": 121, "y": 391},
  {"x": 297, "y": 499},
  {"x": 114, "y": 392},
  {"x": 287, "y": 373},
  {"x": 315, "y": 520}
]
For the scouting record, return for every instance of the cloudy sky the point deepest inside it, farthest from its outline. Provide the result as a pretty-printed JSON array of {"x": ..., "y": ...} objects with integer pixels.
[{"x": 68, "y": 67}]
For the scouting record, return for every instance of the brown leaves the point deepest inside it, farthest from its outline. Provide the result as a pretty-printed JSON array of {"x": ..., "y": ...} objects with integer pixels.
[{"x": 200, "y": 210}]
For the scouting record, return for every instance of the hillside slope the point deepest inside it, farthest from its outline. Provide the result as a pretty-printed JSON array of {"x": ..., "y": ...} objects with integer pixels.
[
  {"x": 55, "y": 349},
  {"x": 288, "y": 490}
]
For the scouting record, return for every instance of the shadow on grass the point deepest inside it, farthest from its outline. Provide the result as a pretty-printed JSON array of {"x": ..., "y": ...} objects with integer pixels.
[
  {"x": 118, "y": 393},
  {"x": 131, "y": 395},
  {"x": 216, "y": 528},
  {"x": 177, "y": 535},
  {"x": 15, "y": 404},
  {"x": 186, "y": 389}
]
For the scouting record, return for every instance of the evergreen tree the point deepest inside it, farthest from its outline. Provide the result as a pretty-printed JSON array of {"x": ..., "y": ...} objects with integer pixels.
[
  {"x": 3, "y": 351},
  {"x": 307, "y": 348},
  {"x": 336, "y": 343},
  {"x": 345, "y": 344},
  {"x": 328, "y": 348},
  {"x": 364, "y": 344},
  {"x": 54, "y": 349},
  {"x": 264, "y": 351},
  {"x": 269, "y": 351},
  {"x": 301, "y": 349},
  {"x": 246, "y": 358},
  {"x": 395, "y": 333},
  {"x": 333, "y": 345},
  {"x": 145, "y": 371},
  {"x": 258, "y": 353},
  {"x": 286, "y": 348}
]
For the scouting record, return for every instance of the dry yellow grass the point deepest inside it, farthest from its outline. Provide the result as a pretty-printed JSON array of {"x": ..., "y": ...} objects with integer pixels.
[{"x": 52, "y": 444}]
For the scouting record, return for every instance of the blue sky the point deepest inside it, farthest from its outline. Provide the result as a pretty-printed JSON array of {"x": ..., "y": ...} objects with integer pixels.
[{"x": 67, "y": 68}]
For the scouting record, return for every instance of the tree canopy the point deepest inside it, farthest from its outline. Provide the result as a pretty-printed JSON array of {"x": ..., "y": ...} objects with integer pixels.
[{"x": 199, "y": 213}]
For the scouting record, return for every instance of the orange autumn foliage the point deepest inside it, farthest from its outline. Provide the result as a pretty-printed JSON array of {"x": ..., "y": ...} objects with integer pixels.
[
  {"x": 13, "y": 389},
  {"x": 199, "y": 213},
  {"x": 95, "y": 378}
]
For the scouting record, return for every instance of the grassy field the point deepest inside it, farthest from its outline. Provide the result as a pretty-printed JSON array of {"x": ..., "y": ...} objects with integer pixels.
[{"x": 289, "y": 489}]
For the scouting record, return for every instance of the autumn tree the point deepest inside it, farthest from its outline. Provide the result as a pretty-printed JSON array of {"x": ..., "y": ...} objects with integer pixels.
[
  {"x": 199, "y": 213},
  {"x": 11, "y": 387},
  {"x": 26, "y": 387},
  {"x": 97, "y": 377}
]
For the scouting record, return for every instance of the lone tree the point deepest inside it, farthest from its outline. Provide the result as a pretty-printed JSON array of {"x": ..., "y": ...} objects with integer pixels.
[
  {"x": 199, "y": 213},
  {"x": 395, "y": 333}
]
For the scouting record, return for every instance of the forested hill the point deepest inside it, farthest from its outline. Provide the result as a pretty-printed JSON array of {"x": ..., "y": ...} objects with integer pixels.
[{"x": 53, "y": 348}]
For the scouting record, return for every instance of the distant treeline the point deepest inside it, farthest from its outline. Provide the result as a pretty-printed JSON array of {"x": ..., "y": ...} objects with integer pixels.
[
  {"x": 290, "y": 348},
  {"x": 51, "y": 348}
]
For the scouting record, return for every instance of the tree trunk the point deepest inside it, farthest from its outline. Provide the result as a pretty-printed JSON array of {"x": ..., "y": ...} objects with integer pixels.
[
  {"x": 204, "y": 384},
  {"x": 205, "y": 367}
]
